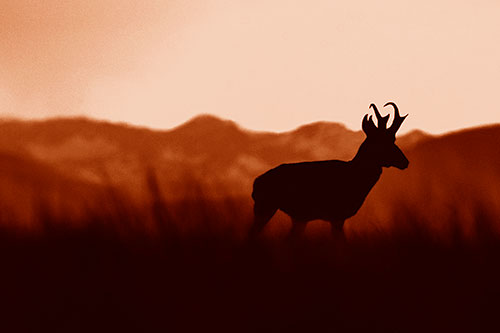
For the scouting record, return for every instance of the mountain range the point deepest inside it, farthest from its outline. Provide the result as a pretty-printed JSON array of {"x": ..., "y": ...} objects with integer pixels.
[
  {"x": 76, "y": 156},
  {"x": 205, "y": 148}
]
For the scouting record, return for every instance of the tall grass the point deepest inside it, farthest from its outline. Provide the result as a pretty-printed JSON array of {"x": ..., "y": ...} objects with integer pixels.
[{"x": 185, "y": 266}]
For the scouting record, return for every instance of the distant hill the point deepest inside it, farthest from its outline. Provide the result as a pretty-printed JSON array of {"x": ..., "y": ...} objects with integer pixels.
[
  {"x": 452, "y": 177},
  {"x": 206, "y": 148},
  {"x": 76, "y": 158}
]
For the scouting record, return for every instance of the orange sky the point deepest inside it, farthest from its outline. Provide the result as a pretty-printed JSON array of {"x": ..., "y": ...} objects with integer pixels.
[{"x": 269, "y": 65}]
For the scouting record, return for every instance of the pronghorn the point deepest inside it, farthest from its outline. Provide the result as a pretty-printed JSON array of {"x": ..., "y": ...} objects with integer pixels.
[{"x": 329, "y": 190}]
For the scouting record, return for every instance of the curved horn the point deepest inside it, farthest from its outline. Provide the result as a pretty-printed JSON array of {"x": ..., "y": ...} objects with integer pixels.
[
  {"x": 398, "y": 120},
  {"x": 368, "y": 126},
  {"x": 382, "y": 121}
]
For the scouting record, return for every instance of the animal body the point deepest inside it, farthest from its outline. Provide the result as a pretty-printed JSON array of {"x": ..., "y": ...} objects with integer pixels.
[{"x": 329, "y": 190}]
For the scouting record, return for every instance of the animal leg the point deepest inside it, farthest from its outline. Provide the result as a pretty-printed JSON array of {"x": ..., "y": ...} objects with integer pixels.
[
  {"x": 337, "y": 228},
  {"x": 262, "y": 214},
  {"x": 298, "y": 228}
]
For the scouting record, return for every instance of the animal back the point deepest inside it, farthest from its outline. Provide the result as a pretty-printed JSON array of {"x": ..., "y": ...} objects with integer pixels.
[{"x": 311, "y": 190}]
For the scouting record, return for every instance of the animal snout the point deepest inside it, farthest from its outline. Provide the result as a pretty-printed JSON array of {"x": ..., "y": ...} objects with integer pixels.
[{"x": 405, "y": 164}]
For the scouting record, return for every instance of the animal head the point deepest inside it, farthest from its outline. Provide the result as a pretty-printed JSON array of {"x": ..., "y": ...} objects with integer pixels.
[{"x": 380, "y": 141}]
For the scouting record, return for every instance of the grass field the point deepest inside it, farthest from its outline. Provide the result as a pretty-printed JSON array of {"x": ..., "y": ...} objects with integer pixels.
[{"x": 186, "y": 267}]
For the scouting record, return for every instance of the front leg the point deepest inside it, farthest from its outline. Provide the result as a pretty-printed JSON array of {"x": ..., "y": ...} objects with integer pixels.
[
  {"x": 337, "y": 229},
  {"x": 298, "y": 228}
]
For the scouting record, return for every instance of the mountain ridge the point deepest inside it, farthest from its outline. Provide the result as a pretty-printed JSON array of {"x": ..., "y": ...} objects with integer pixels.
[
  {"x": 83, "y": 157},
  {"x": 198, "y": 119},
  {"x": 205, "y": 147}
]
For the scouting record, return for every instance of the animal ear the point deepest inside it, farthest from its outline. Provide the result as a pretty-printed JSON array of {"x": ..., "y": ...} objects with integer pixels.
[{"x": 368, "y": 125}]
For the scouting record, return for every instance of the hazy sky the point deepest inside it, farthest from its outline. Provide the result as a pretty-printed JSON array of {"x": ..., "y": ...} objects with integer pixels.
[{"x": 267, "y": 64}]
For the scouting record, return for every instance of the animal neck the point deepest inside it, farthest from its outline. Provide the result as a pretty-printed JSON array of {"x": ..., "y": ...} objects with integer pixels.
[{"x": 367, "y": 163}]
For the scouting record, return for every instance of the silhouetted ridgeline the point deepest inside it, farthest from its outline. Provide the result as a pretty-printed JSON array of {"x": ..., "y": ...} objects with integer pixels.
[
  {"x": 449, "y": 174},
  {"x": 205, "y": 148}
]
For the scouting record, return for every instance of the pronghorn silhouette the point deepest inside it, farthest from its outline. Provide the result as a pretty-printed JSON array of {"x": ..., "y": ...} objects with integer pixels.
[{"x": 329, "y": 190}]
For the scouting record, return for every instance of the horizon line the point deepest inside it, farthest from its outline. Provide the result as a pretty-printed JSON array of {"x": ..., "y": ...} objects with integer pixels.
[{"x": 8, "y": 117}]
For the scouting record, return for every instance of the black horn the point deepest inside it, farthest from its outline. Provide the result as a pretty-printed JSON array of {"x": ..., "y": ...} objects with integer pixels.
[
  {"x": 398, "y": 120},
  {"x": 368, "y": 125},
  {"x": 382, "y": 121}
]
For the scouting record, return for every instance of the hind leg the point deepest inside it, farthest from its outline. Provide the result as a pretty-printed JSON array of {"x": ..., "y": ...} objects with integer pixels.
[
  {"x": 298, "y": 229},
  {"x": 337, "y": 229},
  {"x": 262, "y": 214}
]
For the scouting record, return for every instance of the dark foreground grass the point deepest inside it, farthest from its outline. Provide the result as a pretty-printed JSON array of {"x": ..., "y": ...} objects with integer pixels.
[{"x": 187, "y": 268}]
